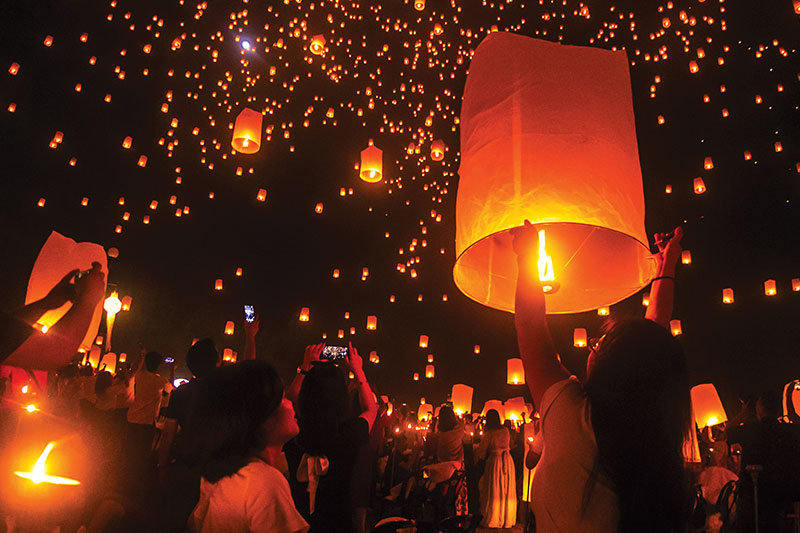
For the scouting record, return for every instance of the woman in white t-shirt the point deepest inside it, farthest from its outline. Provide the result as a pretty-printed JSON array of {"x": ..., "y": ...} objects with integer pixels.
[
  {"x": 241, "y": 421},
  {"x": 612, "y": 458}
]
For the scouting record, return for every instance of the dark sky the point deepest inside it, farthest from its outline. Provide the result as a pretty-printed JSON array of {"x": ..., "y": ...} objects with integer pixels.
[{"x": 742, "y": 231}]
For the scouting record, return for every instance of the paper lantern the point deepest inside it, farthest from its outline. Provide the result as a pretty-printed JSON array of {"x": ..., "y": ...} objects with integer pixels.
[
  {"x": 425, "y": 412},
  {"x": 708, "y": 410},
  {"x": 708, "y": 163},
  {"x": 372, "y": 322},
  {"x": 423, "y": 341},
  {"x": 699, "y": 186},
  {"x": 123, "y": 357},
  {"x": 371, "y": 163},
  {"x": 317, "y": 45},
  {"x": 429, "y": 371},
  {"x": 497, "y": 405},
  {"x": 262, "y": 195},
  {"x": 229, "y": 327},
  {"x": 239, "y": 272},
  {"x": 791, "y": 401},
  {"x": 416, "y": 376},
  {"x": 515, "y": 372},
  {"x": 304, "y": 315},
  {"x": 797, "y": 6},
  {"x": 373, "y": 357},
  {"x": 477, "y": 349},
  {"x": 430, "y": 358},
  {"x": 419, "y": 5},
  {"x": 228, "y": 355},
  {"x": 126, "y": 142},
  {"x": 796, "y": 284},
  {"x": 126, "y": 303},
  {"x": 603, "y": 311},
  {"x": 335, "y": 272},
  {"x": 437, "y": 150},
  {"x": 515, "y": 409},
  {"x": 556, "y": 145},
  {"x": 112, "y": 304},
  {"x": 59, "y": 255},
  {"x": 769, "y": 287},
  {"x": 461, "y": 396},
  {"x": 247, "y": 131},
  {"x": 646, "y": 299},
  {"x": 579, "y": 337},
  {"x": 686, "y": 257},
  {"x": 675, "y": 327},
  {"x": 727, "y": 296},
  {"x": 218, "y": 285}
]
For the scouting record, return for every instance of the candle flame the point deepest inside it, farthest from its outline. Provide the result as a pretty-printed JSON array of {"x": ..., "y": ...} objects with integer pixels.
[
  {"x": 545, "y": 264},
  {"x": 38, "y": 476}
]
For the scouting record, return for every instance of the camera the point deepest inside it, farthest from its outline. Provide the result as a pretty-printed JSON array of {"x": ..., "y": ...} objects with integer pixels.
[{"x": 333, "y": 353}]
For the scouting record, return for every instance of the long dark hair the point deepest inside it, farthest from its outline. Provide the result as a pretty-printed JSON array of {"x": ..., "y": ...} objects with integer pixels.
[
  {"x": 233, "y": 403},
  {"x": 492, "y": 420},
  {"x": 638, "y": 389},
  {"x": 447, "y": 419},
  {"x": 322, "y": 405}
]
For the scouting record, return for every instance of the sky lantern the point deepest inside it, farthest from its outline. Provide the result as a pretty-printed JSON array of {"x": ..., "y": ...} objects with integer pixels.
[
  {"x": 437, "y": 150},
  {"x": 708, "y": 163},
  {"x": 372, "y": 322},
  {"x": 262, "y": 195},
  {"x": 374, "y": 357},
  {"x": 126, "y": 303},
  {"x": 686, "y": 257},
  {"x": 675, "y": 327},
  {"x": 769, "y": 287},
  {"x": 317, "y": 45},
  {"x": 430, "y": 358},
  {"x": 699, "y": 186},
  {"x": 429, "y": 371},
  {"x": 555, "y": 145},
  {"x": 416, "y": 376},
  {"x": 371, "y": 163},
  {"x": 497, "y": 405},
  {"x": 218, "y": 285},
  {"x": 304, "y": 315},
  {"x": 579, "y": 337},
  {"x": 247, "y": 131},
  {"x": 603, "y": 311},
  {"x": 461, "y": 396},
  {"x": 126, "y": 142},
  {"x": 229, "y": 327},
  {"x": 796, "y": 284},
  {"x": 477, "y": 349},
  {"x": 419, "y": 5},
  {"x": 727, "y": 296},
  {"x": 425, "y": 412},
  {"x": 707, "y": 407},
  {"x": 515, "y": 409},
  {"x": 515, "y": 372},
  {"x": 423, "y": 341}
]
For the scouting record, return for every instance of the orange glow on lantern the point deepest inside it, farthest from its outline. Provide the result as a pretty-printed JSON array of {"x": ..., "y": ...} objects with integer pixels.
[
  {"x": 371, "y": 163},
  {"x": 461, "y": 396},
  {"x": 646, "y": 299},
  {"x": 699, "y": 186},
  {"x": 430, "y": 358},
  {"x": 372, "y": 322},
  {"x": 239, "y": 272},
  {"x": 769, "y": 287},
  {"x": 796, "y": 284},
  {"x": 126, "y": 303},
  {"x": 262, "y": 195},
  {"x": 603, "y": 311},
  {"x": 304, "y": 314},
  {"x": 693, "y": 68},
  {"x": 373, "y": 357},
  {"x": 419, "y": 5},
  {"x": 38, "y": 475},
  {"x": 429, "y": 371},
  {"x": 707, "y": 407},
  {"x": 416, "y": 376},
  {"x": 579, "y": 338},
  {"x": 423, "y": 341},
  {"x": 335, "y": 272},
  {"x": 686, "y": 257},
  {"x": 142, "y": 161},
  {"x": 437, "y": 150},
  {"x": 218, "y": 285},
  {"x": 727, "y": 296},
  {"x": 317, "y": 45},
  {"x": 229, "y": 327},
  {"x": 515, "y": 373},
  {"x": 477, "y": 349},
  {"x": 708, "y": 163},
  {"x": 675, "y": 327},
  {"x": 247, "y": 131},
  {"x": 425, "y": 412},
  {"x": 513, "y": 168},
  {"x": 126, "y": 142},
  {"x": 318, "y": 208}
]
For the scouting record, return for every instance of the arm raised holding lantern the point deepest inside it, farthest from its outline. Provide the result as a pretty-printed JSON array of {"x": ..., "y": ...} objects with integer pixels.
[
  {"x": 662, "y": 291},
  {"x": 538, "y": 353}
]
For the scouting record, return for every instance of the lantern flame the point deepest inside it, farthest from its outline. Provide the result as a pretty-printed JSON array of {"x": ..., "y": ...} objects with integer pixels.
[
  {"x": 38, "y": 476},
  {"x": 545, "y": 264}
]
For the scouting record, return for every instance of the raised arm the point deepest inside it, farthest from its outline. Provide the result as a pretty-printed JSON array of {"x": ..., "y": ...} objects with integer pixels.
[
  {"x": 662, "y": 290},
  {"x": 369, "y": 408},
  {"x": 311, "y": 354},
  {"x": 55, "y": 348},
  {"x": 63, "y": 292},
  {"x": 536, "y": 349},
  {"x": 250, "y": 331}
]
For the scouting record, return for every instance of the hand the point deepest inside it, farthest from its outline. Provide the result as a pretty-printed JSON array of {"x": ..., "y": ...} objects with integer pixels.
[
  {"x": 91, "y": 288},
  {"x": 669, "y": 251},
  {"x": 251, "y": 328},
  {"x": 354, "y": 361},
  {"x": 525, "y": 239},
  {"x": 63, "y": 292},
  {"x": 312, "y": 354}
]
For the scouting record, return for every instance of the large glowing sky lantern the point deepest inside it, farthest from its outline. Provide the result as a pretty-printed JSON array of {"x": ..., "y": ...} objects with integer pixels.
[{"x": 547, "y": 135}]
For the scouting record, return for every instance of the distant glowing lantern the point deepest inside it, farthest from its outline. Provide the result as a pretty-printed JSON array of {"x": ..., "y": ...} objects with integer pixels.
[
  {"x": 423, "y": 341},
  {"x": 429, "y": 371},
  {"x": 419, "y": 5},
  {"x": 579, "y": 337},
  {"x": 374, "y": 357},
  {"x": 461, "y": 396},
  {"x": 218, "y": 285},
  {"x": 247, "y": 131},
  {"x": 693, "y": 68},
  {"x": 239, "y": 272},
  {"x": 529, "y": 152},
  {"x": 304, "y": 315},
  {"x": 796, "y": 284},
  {"x": 425, "y": 412},
  {"x": 686, "y": 257},
  {"x": 317, "y": 45},
  {"x": 430, "y": 358},
  {"x": 477, "y": 349},
  {"x": 262, "y": 195},
  {"x": 371, "y": 163},
  {"x": 675, "y": 327},
  {"x": 437, "y": 150},
  {"x": 708, "y": 163},
  {"x": 416, "y": 376},
  {"x": 497, "y": 405},
  {"x": 646, "y": 299},
  {"x": 515, "y": 372},
  {"x": 515, "y": 409},
  {"x": 372, "y": 322},
  {"x": 699, "y": 186},
  {"x": 318, "y": 208},
  {"x": 769, "y": 287},
  {"x": 603, "y": 311},
  {"x": 335, "y": 272},
  {"x": 708, "y": 409},
  {"x": 228, "y": 355},
  {"x": 142, "y": 161},
  {"x": 126, "y": 142},
  {"x": 229, "y": 327},
  {"x": 727, "y": 296},
  {"x": 126, "y": 303}
]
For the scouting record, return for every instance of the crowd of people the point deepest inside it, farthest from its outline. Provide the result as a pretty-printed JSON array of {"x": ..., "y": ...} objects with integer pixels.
[{"x": 236, "y": 449}]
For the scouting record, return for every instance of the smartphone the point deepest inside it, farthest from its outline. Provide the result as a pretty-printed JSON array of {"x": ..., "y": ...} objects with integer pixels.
[
  {"x": 249, "y": 313},
  {"x": 333, "y": 353},
  {"x": 169, "y": 360},
  {"x": 82, "y": 273}
]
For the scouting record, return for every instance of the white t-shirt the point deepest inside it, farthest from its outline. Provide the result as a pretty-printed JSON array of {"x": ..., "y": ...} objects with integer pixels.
[
  {"x": 148, "y": 387},
  {"x": 570, "y": 450},
  {"x": 256, "y": 498}
]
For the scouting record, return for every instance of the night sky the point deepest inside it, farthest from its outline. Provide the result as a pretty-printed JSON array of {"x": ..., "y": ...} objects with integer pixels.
[{"x": 389, "y": 74}]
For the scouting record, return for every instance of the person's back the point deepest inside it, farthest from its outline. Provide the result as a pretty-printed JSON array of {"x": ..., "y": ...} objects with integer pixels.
[{"x": 149, "y": 388}]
